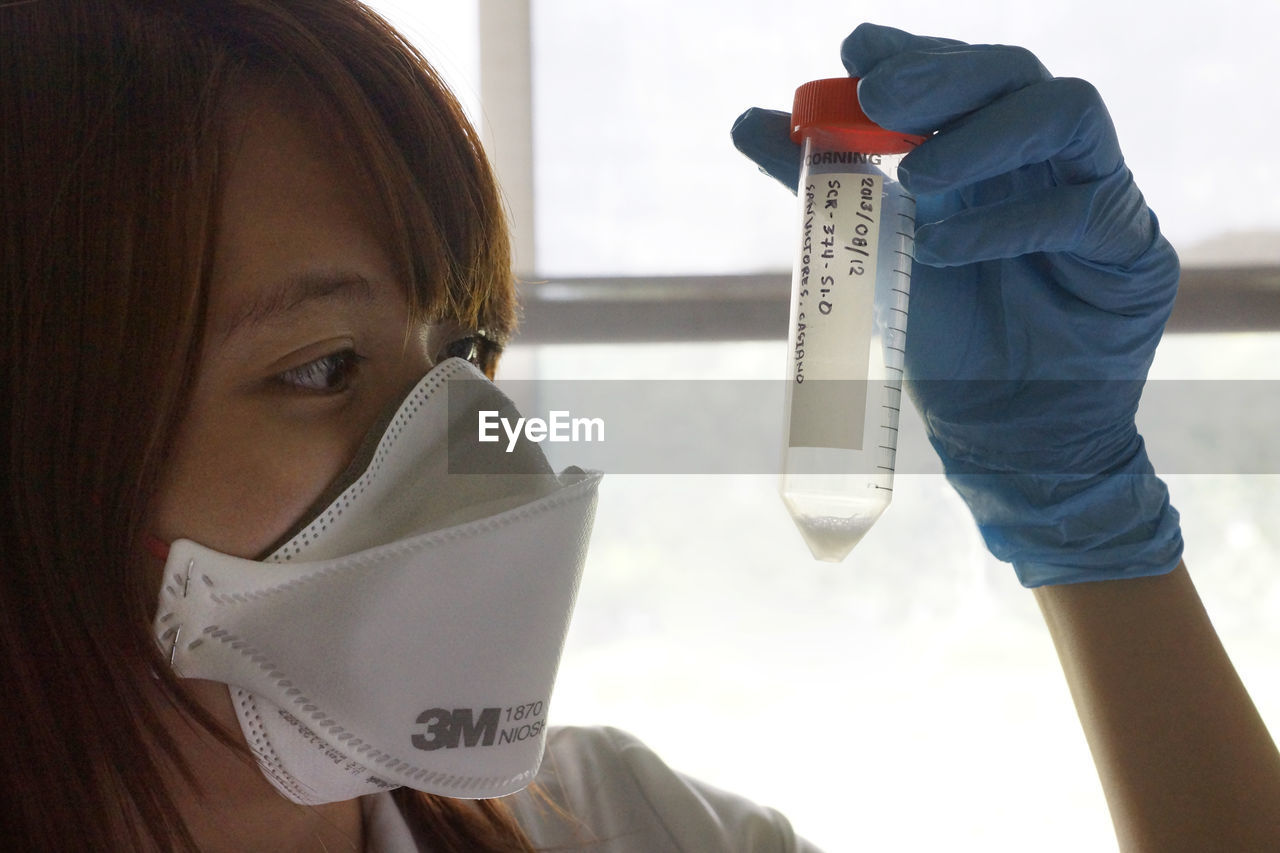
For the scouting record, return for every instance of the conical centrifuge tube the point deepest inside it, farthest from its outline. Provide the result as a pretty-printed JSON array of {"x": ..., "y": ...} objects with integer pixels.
[{"x": 849, "y": 297}]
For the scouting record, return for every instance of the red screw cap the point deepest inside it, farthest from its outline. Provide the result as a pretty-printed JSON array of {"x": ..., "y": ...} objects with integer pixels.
[{"x": 832, "y": 105}]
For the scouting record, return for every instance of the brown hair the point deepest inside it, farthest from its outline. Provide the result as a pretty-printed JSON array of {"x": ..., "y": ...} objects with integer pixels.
[{"x": 109, "y": 176}]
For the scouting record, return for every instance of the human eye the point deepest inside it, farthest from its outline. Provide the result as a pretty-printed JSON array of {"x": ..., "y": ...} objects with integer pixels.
[
  {"x": 329, "y": 374},
  {"x": 476, "y": 347}
]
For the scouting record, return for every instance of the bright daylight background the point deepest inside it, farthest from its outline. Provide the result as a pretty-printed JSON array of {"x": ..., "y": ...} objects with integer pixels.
[{"x": 909, "y": 698}]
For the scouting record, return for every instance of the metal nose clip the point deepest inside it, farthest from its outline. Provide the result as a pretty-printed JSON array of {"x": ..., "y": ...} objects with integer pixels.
[{"x": 186, "y": 585}]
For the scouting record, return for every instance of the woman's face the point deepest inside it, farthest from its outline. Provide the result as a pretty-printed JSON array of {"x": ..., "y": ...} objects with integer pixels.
[{"x": 308, "y": 338}]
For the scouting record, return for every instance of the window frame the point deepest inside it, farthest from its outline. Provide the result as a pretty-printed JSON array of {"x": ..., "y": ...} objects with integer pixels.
[{"x": 755, "y": 307}]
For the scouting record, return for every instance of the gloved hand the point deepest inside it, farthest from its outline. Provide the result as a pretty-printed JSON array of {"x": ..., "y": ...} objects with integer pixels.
[{"x": 1040, "y": 289}]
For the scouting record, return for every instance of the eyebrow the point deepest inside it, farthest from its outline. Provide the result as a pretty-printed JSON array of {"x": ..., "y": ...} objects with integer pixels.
[{"x": 277, "y": 304}]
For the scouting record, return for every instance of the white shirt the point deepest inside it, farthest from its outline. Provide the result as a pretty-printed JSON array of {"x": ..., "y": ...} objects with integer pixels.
[{"x": 624, "y": 800}]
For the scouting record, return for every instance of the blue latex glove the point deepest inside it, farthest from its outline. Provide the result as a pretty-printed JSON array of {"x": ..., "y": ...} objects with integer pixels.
[{"x": 1040, "y": 289}]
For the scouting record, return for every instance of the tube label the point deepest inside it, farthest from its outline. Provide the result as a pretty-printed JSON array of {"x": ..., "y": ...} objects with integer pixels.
[{"x": 833, "y": 296}]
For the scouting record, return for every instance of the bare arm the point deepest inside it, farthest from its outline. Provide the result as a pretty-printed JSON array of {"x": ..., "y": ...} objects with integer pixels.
[{"x": 1186, "y": 762}]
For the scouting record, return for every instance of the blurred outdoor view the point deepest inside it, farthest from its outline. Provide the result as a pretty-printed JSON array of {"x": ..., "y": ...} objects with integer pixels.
[{"x": 916, "y": 678}]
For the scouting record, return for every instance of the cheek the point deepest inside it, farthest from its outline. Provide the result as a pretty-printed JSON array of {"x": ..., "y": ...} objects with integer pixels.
[{"x": 237, "y": 485}]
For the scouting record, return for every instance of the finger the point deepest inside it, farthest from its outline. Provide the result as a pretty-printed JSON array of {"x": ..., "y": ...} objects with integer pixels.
[
  {"x": 871, "y": 44},
  {"x": 1062, "y": 121},
  {"x": 927, "y": 89},
  {"x": 1106, "y": 223},
  {"x": 765, "y": 137}
]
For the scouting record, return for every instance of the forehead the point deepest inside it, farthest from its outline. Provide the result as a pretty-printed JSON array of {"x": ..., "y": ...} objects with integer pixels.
[{"x": 295, "y": 205}]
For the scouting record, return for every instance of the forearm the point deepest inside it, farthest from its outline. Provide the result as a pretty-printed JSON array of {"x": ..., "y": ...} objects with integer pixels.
[{"x": 1185, "y": 760}]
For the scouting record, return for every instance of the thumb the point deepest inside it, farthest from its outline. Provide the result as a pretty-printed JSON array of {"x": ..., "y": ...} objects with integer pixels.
[{"x": 765, "y": 137}]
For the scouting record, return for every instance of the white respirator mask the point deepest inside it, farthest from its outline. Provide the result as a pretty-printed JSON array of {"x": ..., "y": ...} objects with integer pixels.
[{"x": 407, "y": 634}]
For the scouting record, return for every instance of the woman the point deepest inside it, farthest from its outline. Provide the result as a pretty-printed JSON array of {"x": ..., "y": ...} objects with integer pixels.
[
  {"x": 167, "y": 166},
  {"x": 235, "y": 234}
]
